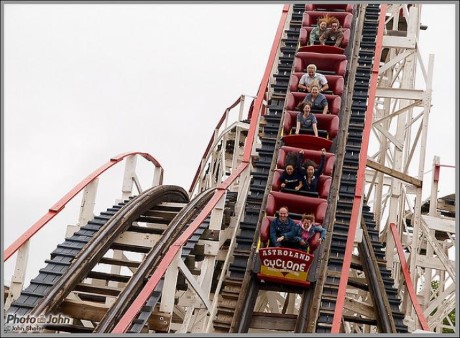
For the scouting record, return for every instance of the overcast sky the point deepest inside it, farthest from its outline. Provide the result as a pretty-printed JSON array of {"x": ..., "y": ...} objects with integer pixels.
[{"x": 83, "y": 83}]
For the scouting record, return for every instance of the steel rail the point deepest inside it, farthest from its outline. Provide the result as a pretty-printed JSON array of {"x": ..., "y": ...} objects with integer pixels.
[{"x": 59, "y": 205}]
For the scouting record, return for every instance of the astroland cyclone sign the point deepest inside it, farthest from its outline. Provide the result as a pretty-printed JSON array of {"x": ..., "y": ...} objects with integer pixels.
[{"x": 285, "y": 263}]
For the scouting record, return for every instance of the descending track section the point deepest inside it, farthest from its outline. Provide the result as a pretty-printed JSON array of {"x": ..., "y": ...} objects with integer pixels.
[
  {"x": 235, "y": 287},
  {"x": 135, "y": 236},
  {"x": 246, "y": 304},
  {"x": 59, "y": 262},
  {"x": 257, "y": 306},
  {"x": 378, "y": 281}
]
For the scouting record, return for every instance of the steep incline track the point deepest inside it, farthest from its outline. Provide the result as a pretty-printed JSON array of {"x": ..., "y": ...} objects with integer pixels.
[
  {"x": 237, "y": 288},
  {"x": 326, "y": 291}
]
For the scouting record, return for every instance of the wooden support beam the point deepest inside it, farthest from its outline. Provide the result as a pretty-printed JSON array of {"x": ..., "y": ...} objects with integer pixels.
[
  {"x": 360, "y": 307},
  {"x": 273, "y": 321},
  {"x": 121, "y": 262},
  {"x": 137, "y": 239},
  {"x": 158, "y": 321},
  {"x": 394, "y": 173},
  {"x": 360, "y": 320},
  {"x": 101, "y": 290}
]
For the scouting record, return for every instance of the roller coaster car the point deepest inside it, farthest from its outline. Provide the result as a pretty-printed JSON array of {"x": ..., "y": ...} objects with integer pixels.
[
  {"x": 304, "y": 37},
  {"x": 328, "y": 125},
  {"x": 284, "y": 265},
  {"x": 333, "y": 64},
  {"x": 324, "y": 184},
  {"x": 330, "y": 8},
  {"x": 333, "y": 102},
  {"x": 314, "y": 155},
  {"x": 310, "y": 18},
  {"x": 335, "y": 82}
]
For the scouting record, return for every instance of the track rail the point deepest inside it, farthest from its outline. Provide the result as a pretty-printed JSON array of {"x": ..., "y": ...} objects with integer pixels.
[
  {"x": 333, "y": 280},
  {"x": 59, "y": 262},
  {"x": 133, "y": 287},
  {"x": 87, "y": 259},
  {"x": 240, "y": 290},
  {"x": 72, "y": 291}
]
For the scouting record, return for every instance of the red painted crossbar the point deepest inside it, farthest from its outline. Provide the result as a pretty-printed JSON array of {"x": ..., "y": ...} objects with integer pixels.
[{"x": 59, "y": 205}]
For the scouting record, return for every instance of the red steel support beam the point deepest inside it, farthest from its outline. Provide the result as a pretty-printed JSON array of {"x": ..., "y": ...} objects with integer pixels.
[
  {"x": 357, "y": 202},
  {"x": 132, "y": 311},
  {"x": 59, "y": 205},
  {"x": 406, "y": 273}
]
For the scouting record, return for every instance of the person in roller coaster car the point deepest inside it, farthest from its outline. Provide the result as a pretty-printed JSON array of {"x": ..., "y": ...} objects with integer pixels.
[
  {"x": 313, "y": 173},
  {"x": 293, "y": 176},
  {"x": 312, "y": 76},
  {"x": 283, "y": 230},
  {"x": 306, "y": 121},
  {"x": 318, "y": 30},
  {"x": 317, "y": 100},
  {"x": 307, "y": 230},
  {"x": 335, "y": 34}
]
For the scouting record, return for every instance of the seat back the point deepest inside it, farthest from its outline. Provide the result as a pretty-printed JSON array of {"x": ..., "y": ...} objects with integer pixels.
[
  {"x": 330, "y": 7},
  {"x": 334, "y": 64},
  {"x": 290, "y": 119},
  {"x": 335, "y": 82},
  {"x": 314, "y": 155},
  {"x": 310, "y": 18},
  {"x": 330, "y": 123},
  {"x": 306, "y": 141},
  {"x": 304, "y": 35},
  {"x": 324, "y": 185},
  {"x": 333, "y": 101},
  {"x": 297, "y": 205},
  {"x": 265, "y": 229},
  {"x": 276, "y": 184}
]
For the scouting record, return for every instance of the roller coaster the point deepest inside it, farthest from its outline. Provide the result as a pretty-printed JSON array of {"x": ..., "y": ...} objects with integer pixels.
[{"x": 170, "y": 260}]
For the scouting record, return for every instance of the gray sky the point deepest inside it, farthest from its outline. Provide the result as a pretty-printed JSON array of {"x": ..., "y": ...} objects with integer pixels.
[{"x": 83, "y": 83}]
